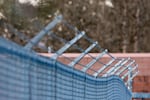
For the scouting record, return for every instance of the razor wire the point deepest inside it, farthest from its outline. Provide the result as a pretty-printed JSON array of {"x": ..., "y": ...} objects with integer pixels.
[{"x": 22, "y": 36}]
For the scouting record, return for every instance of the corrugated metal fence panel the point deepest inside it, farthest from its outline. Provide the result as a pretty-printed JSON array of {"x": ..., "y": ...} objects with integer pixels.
[{"x": 24, "y": 75}]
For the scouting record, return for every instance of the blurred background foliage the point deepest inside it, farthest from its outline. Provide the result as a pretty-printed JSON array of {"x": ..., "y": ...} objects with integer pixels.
[{"x": 118, "y": 25}]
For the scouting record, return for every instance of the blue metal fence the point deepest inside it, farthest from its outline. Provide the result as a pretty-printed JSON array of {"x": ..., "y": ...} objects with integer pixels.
[{"x": 24, "y": 75}]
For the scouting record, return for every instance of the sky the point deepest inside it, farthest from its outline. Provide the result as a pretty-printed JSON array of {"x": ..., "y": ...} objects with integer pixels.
[{"x": 33, "y": 2}]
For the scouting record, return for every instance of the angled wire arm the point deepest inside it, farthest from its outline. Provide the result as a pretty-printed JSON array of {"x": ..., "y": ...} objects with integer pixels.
[
  {"x": 103, "y": 68},
  {"x": 131, "y": 70},
  {"x": 68, "y": 45},
  {"x": 125, "y": 67},
  {"x": 43, "y": 32},
  {"x": 118, "y": 66},
  {"x": 83, "y": 54},
  {"x": 94, "y": 61}
]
